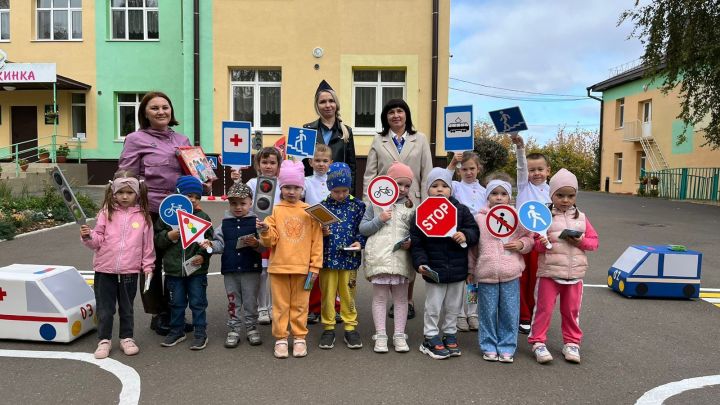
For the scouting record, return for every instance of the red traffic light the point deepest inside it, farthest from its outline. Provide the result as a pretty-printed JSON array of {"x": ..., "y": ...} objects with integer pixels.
[{"x": 265, "y": 186}]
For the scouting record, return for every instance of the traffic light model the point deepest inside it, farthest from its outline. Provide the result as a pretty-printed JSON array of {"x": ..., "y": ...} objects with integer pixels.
[
  {"x": 58, "y": 179},
  {"x": 264, "y": 196},
  {"x": 257, "y": 142}
]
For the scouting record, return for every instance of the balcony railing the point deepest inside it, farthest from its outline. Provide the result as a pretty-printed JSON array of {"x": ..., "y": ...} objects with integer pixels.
[{"x": 634, "y": 130}]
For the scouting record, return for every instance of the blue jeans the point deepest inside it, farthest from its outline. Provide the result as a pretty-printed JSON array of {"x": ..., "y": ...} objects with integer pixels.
[
  {"x": 183, "y": 291},
  {"x": 499, "y": 314}
]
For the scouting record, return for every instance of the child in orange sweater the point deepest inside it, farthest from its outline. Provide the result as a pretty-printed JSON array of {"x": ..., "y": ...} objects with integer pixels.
[{"x": 297, "y": 249}]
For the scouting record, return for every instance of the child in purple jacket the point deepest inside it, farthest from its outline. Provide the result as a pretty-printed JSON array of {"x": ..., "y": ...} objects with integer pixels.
[{"x": 123, "y": 244}]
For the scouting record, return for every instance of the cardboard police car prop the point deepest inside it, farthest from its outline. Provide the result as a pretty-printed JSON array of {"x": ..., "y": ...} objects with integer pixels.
[
  {"x": 656, "y": 271},
  {"x": 45, "y": 303}
]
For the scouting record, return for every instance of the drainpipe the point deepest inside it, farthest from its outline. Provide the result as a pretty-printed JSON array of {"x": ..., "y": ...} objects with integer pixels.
[
  {"x": 434, "y": 96},
  {"x": 196, "y": 72},
  {"x": 602, "y": 110}
]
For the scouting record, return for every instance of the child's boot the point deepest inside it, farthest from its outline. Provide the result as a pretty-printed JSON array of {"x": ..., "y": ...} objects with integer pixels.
[
  {"x": 400, "y": 343},
  {"x": 451, "y": 344},
  {"x": 381, "y": 341},
  {"x": 232, "y": 340}
]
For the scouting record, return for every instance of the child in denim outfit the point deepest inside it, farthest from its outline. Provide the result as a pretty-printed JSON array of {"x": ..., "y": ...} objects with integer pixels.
[
  {"x": 185, "y": 289},
  {"x": 448, "y": 256},
  {"x": 339, "y": 271},
  {"x": 236, "y": 239}
]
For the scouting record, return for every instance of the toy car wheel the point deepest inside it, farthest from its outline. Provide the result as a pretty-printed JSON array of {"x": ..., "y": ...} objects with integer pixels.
[
  {"x": 641, "y": 289},
  {"x": 610, "y": 281},
  {"x": 689, "y": 290}
]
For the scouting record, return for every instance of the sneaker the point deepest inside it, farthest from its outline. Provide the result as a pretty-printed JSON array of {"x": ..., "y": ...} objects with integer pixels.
[
  {"x": 327, "y": 339},
  {"x": 473, "y": 322},
  {"x": 171, "y": 340},
  {"x": 103, "y": 349},
  {"x": 299, "y": 348},
  {"x": 434, "y": 348},
  {"x": 313, "y": 318},
  {"x": 391, "y": 311},
  {"x": 451, "y": 344},
  {"x": 542, "y": 355},
  {"x": 400, "y": 343},
  {"x": 524, "y": 327},
  {"x": 462, "y": 324},
  {"x": 129, "y": 347},
  {"x": 571, "y": 353},
  {"x": 338, "y": 318},
  {"x": 199, "y": 343},
  {"x": 281, "y": 349},
  {"x": 381, "y": 345},
  {"x": 411, "y": 311},
  {"x": 264, "y": 317},
  {"x": 232, "y": 339},
  {"x": 506, "y": 358},
  {"x": 490, "y": 356},
  {"x": 352, "y": 339},
  {"x": 253, "y": 336}
]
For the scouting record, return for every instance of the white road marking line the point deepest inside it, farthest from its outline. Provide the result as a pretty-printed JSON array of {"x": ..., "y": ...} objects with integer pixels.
[
  {"x": 659, "y": 394},
  {"x": 129, "y": 378}
]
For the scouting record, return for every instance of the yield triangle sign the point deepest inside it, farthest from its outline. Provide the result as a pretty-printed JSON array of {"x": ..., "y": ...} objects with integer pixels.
[{"x": 192, "y": 228}]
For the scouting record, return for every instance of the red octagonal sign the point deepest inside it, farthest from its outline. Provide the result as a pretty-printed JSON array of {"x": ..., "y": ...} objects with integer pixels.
[{"x": 436, "y": 217}]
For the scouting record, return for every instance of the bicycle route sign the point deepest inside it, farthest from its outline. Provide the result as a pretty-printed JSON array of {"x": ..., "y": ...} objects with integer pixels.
[
  {"x": 501, "y": 221},
  {"x": 383, "y": 191},
  {"x": 169, "y": 207}
]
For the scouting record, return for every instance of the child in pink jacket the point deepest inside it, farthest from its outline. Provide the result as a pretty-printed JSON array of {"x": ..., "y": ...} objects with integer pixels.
[
  {"x": 561, "y": 269},
  {"x": 123, "y": 244},
  {"x": 496, "y": 266}
]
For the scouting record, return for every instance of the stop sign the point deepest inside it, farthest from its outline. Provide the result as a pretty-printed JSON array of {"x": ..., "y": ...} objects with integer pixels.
[{"x": 436, "y": 217}]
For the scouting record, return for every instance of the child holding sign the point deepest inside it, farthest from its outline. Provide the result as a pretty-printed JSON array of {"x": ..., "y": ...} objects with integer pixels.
[
  {"x": 561, "y": 270},
  {"x": 121, "y": 252},
  {"x": 297, "y": 252},
  {"x": 496, "y": 267},
  {"x": 185, "y": 271},
  {"x": 443, "y": 263},
  {"x": 387, "y": 262},
  {"x": 533, "y": 171}
]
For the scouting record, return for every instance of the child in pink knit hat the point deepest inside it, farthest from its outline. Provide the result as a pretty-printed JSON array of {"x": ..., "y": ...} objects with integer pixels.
[
  {"x": 561, "y": 269},
  {"x": 297, "y": 249}
]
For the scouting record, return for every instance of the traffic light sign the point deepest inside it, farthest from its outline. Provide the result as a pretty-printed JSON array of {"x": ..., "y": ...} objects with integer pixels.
[
  {"x": 257, "y": 142},
  {"x": 67, "y": 195},
  {"x": 264, "y": 196}
]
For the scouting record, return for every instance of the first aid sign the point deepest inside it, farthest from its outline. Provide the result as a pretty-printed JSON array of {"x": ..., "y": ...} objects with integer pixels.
[{"x": 436, "y": 217}]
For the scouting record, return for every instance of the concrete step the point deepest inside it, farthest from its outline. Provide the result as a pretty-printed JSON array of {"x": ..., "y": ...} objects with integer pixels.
[{"x": 37, "y": 176}]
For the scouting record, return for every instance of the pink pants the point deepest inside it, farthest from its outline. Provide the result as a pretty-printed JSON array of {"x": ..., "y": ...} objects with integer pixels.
[{"x": 546, "y": 293}]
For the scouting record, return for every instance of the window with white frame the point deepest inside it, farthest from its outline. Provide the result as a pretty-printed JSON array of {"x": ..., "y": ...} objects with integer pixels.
[
  {"x": 128, "y": 105},
  {"x": 646, "y": 111},
  {"x": 255, "y": 97},
  {"x": 620, "y": 113},
  {"x": 59, "y": 19},
  {"x": 134, "y": 20},
  {"x": 78, "y": 112},
  {"x": 4, "y": 20},
  {"x": 618, "y": 166},
  {"x": 371, "y": 90}
]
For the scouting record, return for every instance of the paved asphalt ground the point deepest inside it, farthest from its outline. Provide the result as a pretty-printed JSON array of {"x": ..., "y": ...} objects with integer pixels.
[{"x": 630, "y": 346}]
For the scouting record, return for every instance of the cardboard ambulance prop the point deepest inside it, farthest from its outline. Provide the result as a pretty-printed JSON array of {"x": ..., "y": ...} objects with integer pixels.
[
  {"x": 45, "y": 303},
  {"x": 656, "y": 271}
]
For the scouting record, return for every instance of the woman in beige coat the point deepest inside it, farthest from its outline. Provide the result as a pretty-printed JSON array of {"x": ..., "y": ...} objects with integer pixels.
[{"x": 399, "y": 142}]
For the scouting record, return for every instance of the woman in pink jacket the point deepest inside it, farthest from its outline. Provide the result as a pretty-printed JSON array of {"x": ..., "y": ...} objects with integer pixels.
[
  {"x": 561, "y": 269},
  {"x": 496, "y": 266},
  {"x": 123, "y": 244}
]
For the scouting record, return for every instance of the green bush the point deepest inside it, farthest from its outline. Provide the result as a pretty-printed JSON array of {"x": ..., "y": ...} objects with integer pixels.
[{"x": 7, "y": 229}]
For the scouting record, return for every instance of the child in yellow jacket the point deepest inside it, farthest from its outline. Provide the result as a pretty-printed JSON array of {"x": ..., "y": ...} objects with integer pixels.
[{"x": 296, "y": 240}]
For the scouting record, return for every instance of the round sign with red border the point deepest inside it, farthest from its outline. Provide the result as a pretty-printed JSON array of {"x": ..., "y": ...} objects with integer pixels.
[
  {"x": 501, "y": 221},
  {"x": 383, "y": 191}
]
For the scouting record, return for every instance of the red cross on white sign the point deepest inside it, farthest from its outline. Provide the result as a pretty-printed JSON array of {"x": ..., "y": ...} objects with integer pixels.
[
  {"x": 3, "y": 294},
  {"x": 236, "y": 140}
]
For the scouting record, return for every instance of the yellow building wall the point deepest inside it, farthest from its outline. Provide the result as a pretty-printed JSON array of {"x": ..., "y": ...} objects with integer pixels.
[
  {"x": 665, "y": 109},
  {"x": 73, "y": 59},
  {"x": 352, "y": 33}
]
